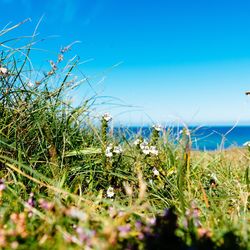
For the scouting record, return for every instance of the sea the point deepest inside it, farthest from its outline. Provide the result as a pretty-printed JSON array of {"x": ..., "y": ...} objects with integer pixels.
[{"x": 204, "y": 138}]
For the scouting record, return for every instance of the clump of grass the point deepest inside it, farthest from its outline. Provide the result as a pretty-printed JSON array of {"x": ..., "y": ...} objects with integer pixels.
[{"x": 67, "y": 183}]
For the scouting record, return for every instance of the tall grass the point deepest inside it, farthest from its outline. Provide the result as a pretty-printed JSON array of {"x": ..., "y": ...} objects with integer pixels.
[{"x": 67, "y": 183}]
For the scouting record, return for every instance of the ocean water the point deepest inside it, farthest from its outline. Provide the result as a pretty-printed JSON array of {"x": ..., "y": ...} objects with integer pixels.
[{"x": 203, "y": 138}]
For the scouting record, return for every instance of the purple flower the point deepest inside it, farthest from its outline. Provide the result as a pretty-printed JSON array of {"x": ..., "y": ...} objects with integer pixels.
[
  {"x": 123, "y": 230},
  {"x": 2, "y": 185},
  {"x": 31, "y": 200}
]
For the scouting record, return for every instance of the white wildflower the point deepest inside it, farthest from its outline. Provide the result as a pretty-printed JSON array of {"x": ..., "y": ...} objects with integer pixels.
[
  {"x": 110, "y": 147},
  {"x": 30, "y": 84},
  {"x": 110, "y": 192},
  {"x": 107, "y": 117},
  {"x": 137, "y": 142},
  {"x": 156, "y": 172},
  {"x": 146, "y": 150},
  {"x": 3, "y": 71},
  {"x": 143, "y": 145},
  {"x": 151, "y": 182},
  {"x": 76, "y": 213},
  {"x": 153, "y": 150},
  {"x": 108, "y": 152},
  {"x": 214, "y": 177},
  {"x": 117, "y": 149},
  {"x": 158, "y": 127}
]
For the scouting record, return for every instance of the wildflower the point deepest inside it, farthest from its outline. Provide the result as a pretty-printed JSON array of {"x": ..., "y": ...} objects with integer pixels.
[
  {"x": 213, "y": 180},
  {"x": 3, "y": 71},
  {"x": 112, "y": 212},
  {"x": 143, "y": 145},
  {"x": 153, "y": 150},
  {"x": 2, "y": 185},
  {"x": 20, "y": 224},
  {"x": 214, "y": 177},
  {"x": 30, "y": 84},
  {"x": 31, "y": 201},
  {"x": 46, "y": 205},
  {"x": 158, "y": 127},
  {"x": 76, "y": 213},
  {"x": 2, "y": 238},
  {"x": 14, "y": 245},
  {"x": 203, "y": 233},
  {"x": 117, "y": 149},
  {"x": 108, "y": 151},
  {"x": 192, "y": 216},
  {"x": 137, "y": 142},
  {"x": 30, "y": 204},
  {"x": 156, "y": 172},
  {"x": 146, "y": 150},
  {"x": 85, "y": 235},
  {"x": 107, "y": 117},
  {"x": 110, "y": 192},
  {"x": 138, "y": 225},
  {"x": 124, "y": 230},
  {"x": 151, "y": 221}
]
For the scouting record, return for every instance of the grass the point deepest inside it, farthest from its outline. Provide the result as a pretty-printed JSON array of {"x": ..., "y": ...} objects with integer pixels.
[{"x": 67, "y": 183}]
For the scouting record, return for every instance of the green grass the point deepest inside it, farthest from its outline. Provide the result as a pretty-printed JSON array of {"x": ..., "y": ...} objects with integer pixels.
[{"x": 64, "y": 186}]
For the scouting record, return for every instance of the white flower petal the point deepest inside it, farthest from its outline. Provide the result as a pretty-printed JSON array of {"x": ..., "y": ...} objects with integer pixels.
[
  {"x": 146, "y": 150},
  {"x": 153, "y": 150},
  {"x": 117, "y": 149},
  {"x": 107, "y": 117},
  {"x": 137, "y": 142},
  {"x": 158, "y": 127},
  {"x": 110, "y": 192},
  {"x": 156, "y": 172},
  {"x": 143, "y": 145},
  {"x": 3, "y": 71}
]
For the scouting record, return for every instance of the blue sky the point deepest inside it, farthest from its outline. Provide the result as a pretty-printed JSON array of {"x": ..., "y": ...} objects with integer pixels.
[{"x": 163, "y": 60}]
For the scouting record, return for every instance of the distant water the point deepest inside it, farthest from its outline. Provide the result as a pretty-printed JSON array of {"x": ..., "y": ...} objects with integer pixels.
[{"x": 203, "y": 138}]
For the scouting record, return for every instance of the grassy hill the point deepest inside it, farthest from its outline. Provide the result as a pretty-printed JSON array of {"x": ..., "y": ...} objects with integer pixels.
[{"x": 67, "y": 183}]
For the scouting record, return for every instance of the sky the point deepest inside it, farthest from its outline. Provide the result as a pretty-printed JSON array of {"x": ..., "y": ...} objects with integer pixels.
[{"x": 155, "y": 61}]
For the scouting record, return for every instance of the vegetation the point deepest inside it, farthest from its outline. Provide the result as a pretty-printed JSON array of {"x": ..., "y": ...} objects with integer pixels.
[{"x": 67, "y": 183}]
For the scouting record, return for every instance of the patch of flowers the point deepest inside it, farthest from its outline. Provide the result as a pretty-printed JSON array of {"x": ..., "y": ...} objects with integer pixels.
[
  {"x": 147, "y": 149},
  {"x": 111, "y": 150}
]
